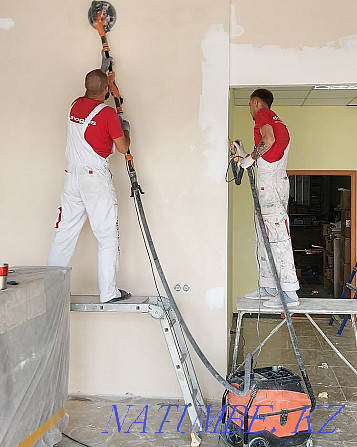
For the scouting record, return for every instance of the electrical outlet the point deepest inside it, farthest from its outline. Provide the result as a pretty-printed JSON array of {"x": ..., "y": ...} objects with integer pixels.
[{"x": 186, "y": 288}]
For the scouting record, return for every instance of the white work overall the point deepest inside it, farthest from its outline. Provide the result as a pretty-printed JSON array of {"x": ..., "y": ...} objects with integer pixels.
[
  {"x": 88, "y": 192},
  {"x": 273, "y": 193}
]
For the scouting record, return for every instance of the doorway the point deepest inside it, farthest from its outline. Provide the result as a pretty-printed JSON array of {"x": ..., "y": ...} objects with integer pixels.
[
  {"x": 322, "y": 225},
  {"x": 308, "y": 122}
]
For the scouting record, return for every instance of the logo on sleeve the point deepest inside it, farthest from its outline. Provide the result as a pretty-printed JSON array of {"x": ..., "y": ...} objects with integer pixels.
[{"x": 277, "y": 119}]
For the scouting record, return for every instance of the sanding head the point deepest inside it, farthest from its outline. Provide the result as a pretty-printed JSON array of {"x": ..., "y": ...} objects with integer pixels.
[{"x": 108, "y": 14}]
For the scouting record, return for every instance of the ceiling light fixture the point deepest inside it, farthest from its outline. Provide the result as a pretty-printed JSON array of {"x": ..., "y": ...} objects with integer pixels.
[{"x": 335, "y": 87}]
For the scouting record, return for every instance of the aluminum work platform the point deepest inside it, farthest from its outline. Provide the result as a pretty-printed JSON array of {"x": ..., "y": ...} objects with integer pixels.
[
  {"x": 307, "y": 307},
  {"x": 160, "y": 309},
  {"x": 141, "y": 304}
]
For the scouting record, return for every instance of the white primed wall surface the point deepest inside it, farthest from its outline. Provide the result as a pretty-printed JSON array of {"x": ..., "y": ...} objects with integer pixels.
[
  {"x": 172, "y": 66},
  {"x": 279, "y": 42}
]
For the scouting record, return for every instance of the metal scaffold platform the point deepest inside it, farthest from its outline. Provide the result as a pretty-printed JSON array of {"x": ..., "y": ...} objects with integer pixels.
[
  {"x": 159, "y": 308},
  {"x": 307, "y": 307}
]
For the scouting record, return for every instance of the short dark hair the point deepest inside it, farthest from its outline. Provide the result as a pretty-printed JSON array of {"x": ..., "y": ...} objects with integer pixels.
[
  {"x": 96, "y": 81},
  {"x": 264, "y": 95}
]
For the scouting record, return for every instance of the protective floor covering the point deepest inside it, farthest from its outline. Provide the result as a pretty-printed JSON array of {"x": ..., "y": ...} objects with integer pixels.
[{"x": 88, "y": 417}]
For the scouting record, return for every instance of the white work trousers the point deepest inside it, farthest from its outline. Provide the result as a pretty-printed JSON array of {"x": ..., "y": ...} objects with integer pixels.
[
  {"x": 88, "y": 192},
  {"x": 89, "y": 195},
  {"x": 273, "y": 193}
]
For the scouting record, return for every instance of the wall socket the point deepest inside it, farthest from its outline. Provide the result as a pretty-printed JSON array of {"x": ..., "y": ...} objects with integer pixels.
[{"x": 182, "y": 288}]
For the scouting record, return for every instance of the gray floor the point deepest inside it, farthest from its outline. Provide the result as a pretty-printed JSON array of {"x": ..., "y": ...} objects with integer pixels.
[{"x": 89, "y": 417}]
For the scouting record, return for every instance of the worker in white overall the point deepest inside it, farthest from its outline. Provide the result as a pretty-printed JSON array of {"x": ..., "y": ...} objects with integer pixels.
[
  {"x": 272, "y": 141},
  {"x": 94, "y": 130}
]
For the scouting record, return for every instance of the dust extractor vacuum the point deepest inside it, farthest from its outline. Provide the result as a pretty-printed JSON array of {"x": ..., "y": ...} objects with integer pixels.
[{"x": 275, "y": 386}]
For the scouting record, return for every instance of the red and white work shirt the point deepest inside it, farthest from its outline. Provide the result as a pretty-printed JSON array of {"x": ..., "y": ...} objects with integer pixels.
[
  {"x": 281, "y": 134},
  {"x": 102, "y": 129}
]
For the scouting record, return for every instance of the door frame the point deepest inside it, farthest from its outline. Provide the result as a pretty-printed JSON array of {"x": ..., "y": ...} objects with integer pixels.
[{"x": 353, "y": 175}]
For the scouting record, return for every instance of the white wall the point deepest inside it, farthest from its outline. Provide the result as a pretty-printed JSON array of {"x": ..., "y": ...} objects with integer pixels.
[
  {"x": 171, "y": 60},
  {"x": 279, "y": 42}
]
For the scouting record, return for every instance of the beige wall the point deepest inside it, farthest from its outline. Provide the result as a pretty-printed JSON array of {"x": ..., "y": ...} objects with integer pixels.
[
  {"x": 172, "y": 64},
  {"x": 321, "y": 138},
  {"x": 279, "y": 42}
]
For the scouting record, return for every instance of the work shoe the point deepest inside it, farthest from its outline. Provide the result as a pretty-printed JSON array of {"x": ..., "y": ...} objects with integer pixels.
[
  {"x": 291, "y": 300},
  {"x": 263, "y": 293},
  {"x": 124, "y": 295}
]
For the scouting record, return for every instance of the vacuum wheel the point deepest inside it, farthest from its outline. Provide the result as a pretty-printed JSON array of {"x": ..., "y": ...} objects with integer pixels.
[{"x": 258, "y": 442}]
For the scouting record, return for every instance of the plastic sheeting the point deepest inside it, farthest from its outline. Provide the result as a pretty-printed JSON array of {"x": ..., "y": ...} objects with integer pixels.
[{"x": 34, "y": 356}]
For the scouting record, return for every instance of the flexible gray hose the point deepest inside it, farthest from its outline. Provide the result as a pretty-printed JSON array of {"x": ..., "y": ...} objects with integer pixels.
[
  {"x": 279, "y": 289},
  {"x": 202, "y": 357}
]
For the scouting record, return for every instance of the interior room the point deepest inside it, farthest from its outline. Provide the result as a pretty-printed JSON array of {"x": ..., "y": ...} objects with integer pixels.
[
  {"x": 322, "y": 226},
  {"x": 319, "y": 200},
  {"x": 319, "y": 207}
]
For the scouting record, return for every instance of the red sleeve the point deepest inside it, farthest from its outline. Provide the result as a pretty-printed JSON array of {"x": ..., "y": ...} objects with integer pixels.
[
  {"x": 262, "y": 118},
  {"x": 114, "y": 127}
]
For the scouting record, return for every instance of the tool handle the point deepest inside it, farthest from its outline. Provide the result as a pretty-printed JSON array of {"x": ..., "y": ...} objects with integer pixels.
[
  {"x": 237, "y": 174},
  {"x": 98, "y": 24},
  {"x": 240, "y": 176},
  {"x": 114, "y": 90}
]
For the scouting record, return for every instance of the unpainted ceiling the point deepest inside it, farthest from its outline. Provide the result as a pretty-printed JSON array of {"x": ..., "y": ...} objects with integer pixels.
[{"x": 303, "y": 95}]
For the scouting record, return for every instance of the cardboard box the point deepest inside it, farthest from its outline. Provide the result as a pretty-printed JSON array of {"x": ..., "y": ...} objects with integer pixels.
[
  {"x": 346, "y": 223},
  {"x": 345, "y": 199},
  {"x": 345, "y": 249},
  {"x": 345, "y": 271}
]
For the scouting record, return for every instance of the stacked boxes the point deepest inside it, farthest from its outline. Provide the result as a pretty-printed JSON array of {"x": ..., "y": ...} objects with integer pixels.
[{"x": 345, "y": 242}]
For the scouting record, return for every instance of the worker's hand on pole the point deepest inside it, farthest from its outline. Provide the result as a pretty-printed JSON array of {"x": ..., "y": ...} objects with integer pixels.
[
  {"x": 125, "y": 125},
  {"x": 106, "y": 61},
  {"x": 112, "y": 85},
  {"x": 247, "y": 162}
]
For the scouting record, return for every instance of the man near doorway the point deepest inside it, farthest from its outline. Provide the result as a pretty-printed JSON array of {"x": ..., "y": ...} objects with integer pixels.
[
  {"x": 94, "y": 130},
  {"x": 270, "y": 154}
]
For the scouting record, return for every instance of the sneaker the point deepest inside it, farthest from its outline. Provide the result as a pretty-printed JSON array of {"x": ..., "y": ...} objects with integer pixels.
[
  {"x": 262, "y": 294},
  {"x": 124, "y": 295},
  {"x": 291, "y": 300}
]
